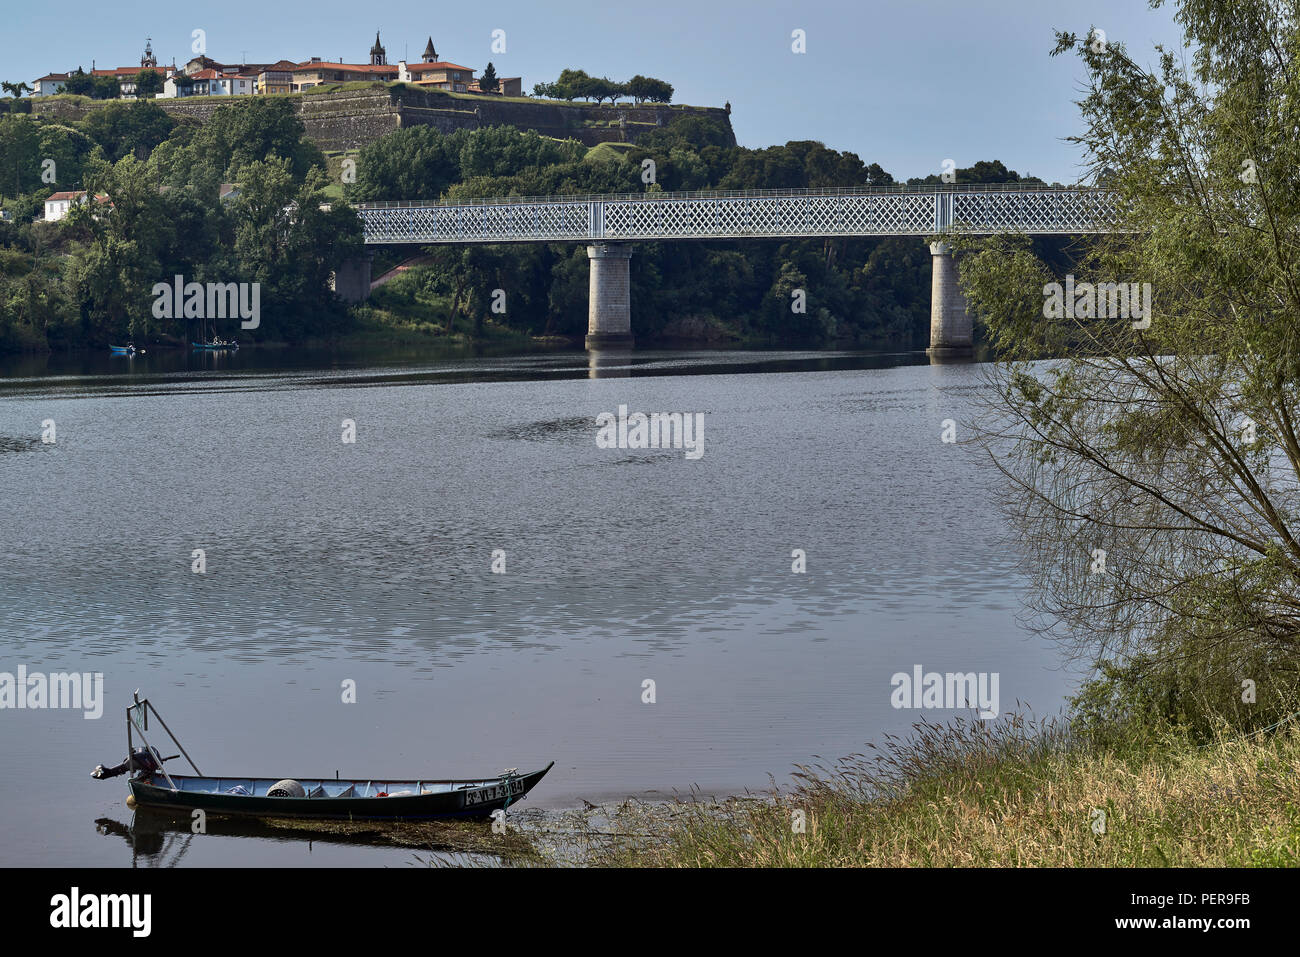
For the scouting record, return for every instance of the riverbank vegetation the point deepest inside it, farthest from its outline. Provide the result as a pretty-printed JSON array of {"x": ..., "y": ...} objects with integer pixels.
[
  {"x": 1009, "y": 794},
  {"x": 160, "y": 212}
]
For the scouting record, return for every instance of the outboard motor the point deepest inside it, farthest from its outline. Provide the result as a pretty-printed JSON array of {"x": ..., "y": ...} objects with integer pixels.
[{"x": 144, "y": 760}]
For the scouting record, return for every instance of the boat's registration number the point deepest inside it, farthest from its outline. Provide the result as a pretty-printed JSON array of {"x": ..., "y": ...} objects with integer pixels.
[{"x": 496, "y": 792}]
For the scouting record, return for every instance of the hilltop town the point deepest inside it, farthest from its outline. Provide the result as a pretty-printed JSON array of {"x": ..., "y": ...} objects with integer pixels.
[
  {"x": 204, "y": 76},
  {"x": 358, "y": 102}
]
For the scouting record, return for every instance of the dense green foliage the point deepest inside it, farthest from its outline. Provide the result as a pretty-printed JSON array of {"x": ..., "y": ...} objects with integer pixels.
[
  {"x": 89, "y": 279},
  {"x": 81, "y": 83},
  {"x": 148, "y": 83}
]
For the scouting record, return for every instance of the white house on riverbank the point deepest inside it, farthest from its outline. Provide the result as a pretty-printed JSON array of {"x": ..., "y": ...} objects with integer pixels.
[{"x": 58, "y": 205}]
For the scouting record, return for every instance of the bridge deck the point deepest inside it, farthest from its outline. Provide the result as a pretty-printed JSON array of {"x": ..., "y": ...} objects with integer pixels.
[{"x": 893, "y": 211}]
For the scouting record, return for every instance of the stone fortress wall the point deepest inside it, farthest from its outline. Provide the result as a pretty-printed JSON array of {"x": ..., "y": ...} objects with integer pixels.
[{"x": 349, "y": 119}]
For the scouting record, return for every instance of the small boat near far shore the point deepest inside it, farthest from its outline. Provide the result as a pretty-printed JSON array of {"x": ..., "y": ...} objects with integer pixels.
[
  {"x": 392, "y": 799},
  {"x": 127, "y": 350},
  {"x": 216, "y": 345}
]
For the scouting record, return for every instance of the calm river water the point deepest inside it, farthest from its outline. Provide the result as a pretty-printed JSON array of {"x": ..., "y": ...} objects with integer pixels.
[{"x": 372, "y": 563}]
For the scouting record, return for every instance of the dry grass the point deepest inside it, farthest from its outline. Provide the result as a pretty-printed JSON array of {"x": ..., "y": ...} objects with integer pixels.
[{"x": 1009, "y": 793}]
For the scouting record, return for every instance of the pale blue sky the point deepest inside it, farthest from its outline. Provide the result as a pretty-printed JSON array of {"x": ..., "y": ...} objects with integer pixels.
[{"x": 905, "y": 84}]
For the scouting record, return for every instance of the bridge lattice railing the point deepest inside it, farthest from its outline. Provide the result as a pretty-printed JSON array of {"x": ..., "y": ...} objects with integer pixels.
[{"x": 771, "y": 214}]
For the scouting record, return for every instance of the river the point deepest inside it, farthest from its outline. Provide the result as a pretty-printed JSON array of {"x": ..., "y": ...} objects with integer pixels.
[{"x": 329, "y": 563}]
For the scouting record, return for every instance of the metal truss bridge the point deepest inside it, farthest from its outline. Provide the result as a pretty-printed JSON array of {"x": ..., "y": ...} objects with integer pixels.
[{"x": 748, "y": 214}]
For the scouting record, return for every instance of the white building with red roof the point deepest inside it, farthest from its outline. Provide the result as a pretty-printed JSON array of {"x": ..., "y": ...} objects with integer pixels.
[
  {"x": 49, "y": 84},
  {"x": 58, "y": 205}
]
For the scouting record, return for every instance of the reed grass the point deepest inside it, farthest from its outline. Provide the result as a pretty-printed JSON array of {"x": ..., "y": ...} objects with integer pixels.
[{"x": 1014, "y": 792}]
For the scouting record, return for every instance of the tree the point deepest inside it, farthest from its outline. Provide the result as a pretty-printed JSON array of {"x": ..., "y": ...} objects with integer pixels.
[
  {"x": 571, "y": 85},
  {"x": 576, "y": 84},
  {"x": 418, "y": 162},
  {"x": 1154, "y": 467},
  {"x": 148, "y": 83},
  {"x": 643, "y": 88},
  {"x": 288, "y": 244},
  {"x": 488, "y": 82},
  {"x": 129, "y": 127},
  {"x": 69, "y": 151},
  {"x": 605, "y": 89},
  {"x": 505, "y": 151},
  {"x": 252, "y": 129},
  {"x": 661, "y": 91},
  {"x": 81, "y": 83},
  {"x": 15, "y": 89},
  {"x": 113, "y": 273},
  {"x": 983, "y": 172},
  {"x": 20, "y": 155}
]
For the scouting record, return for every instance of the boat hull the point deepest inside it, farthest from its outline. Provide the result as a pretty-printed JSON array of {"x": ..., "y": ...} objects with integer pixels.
[{"x": 464, "y": 800}]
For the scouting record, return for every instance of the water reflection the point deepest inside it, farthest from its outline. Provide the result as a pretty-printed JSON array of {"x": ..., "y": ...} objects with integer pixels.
[
  {"x": 609, "y": 363},
  {"x": 150, "y": 846},
  {"x": 157, "y": 839}
]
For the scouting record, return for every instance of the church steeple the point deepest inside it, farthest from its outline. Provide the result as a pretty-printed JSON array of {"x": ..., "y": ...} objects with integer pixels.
[
  {"x": 430, "y": 54},
  {"x": 148, "y": 59},
  {"x": 377, "y": 55}
]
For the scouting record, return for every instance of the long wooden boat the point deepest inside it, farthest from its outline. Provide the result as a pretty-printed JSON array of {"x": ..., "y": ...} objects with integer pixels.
[
  {"x": 215, "y": 346},
  {"x": 321, "y": 798},
  {"x": 339, "y": 799}
]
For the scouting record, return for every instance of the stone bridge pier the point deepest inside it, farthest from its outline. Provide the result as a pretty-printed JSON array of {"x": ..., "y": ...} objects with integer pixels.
[
  {"x": 951, "y": 329},
  {"x": 352, "y": 279},
  {"x": 609, "y": 296}
]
